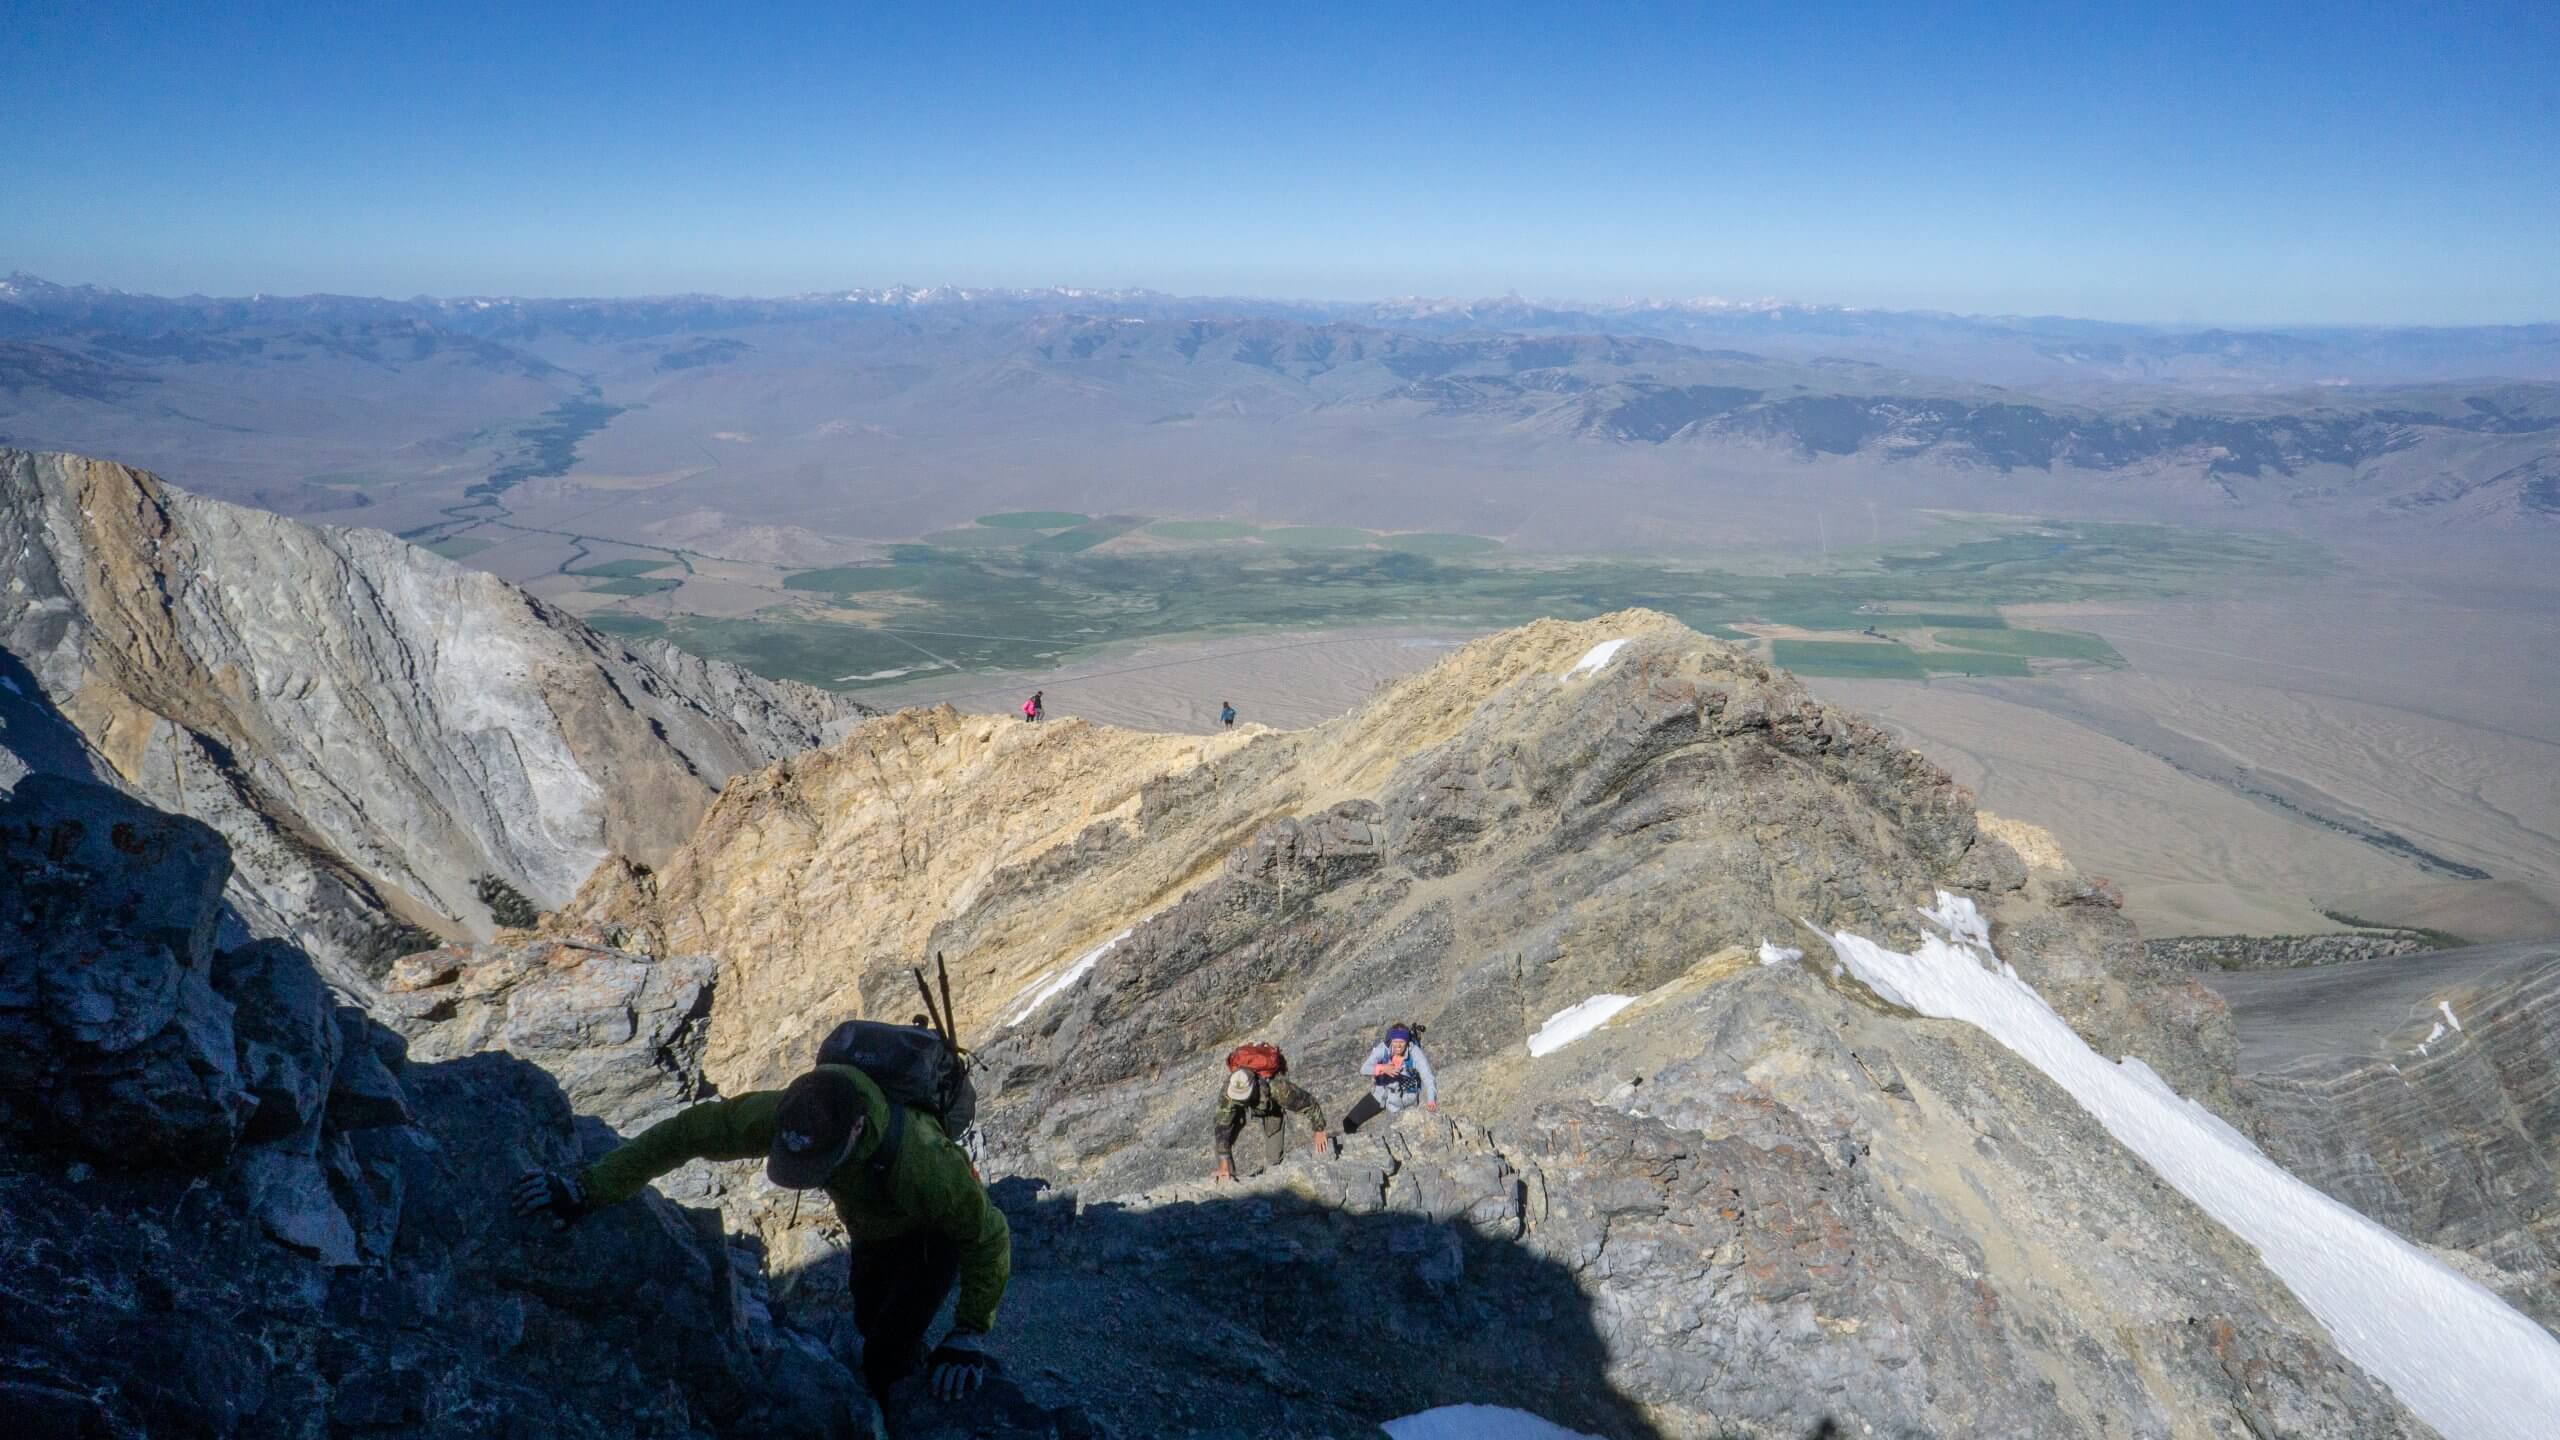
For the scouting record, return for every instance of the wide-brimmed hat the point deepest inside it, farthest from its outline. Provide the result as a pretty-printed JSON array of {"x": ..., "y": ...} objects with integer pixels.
[{"x": 821, "y": 1117}]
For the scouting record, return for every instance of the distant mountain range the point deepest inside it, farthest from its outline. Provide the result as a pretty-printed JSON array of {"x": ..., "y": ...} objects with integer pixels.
[
  {"x": 311, "y": 403},
  {"x": 2003, "y": 349}
]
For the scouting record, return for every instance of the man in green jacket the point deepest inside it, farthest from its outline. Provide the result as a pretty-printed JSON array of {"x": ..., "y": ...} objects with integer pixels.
[{"x": 912, "y": 1205}]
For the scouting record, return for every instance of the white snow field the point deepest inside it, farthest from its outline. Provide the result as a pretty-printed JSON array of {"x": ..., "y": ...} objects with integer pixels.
[
  {"x": 1050, "y": 987},
  {"x": 1575, "y": 1021},
  {"x": 1592, "y": 659},
  {"x": 2461, "y": 1358},
  {"x": 1478, "y": 1422}
]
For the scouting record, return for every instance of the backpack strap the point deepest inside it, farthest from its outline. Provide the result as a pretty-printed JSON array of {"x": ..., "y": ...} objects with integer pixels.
[{"x": 884, "y": 1157}]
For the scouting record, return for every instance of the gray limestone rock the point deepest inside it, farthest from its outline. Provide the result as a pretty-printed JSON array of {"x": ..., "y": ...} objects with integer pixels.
[
  {"x": 619, "y": 1031},
  {"x": 288, "y": 1035}
]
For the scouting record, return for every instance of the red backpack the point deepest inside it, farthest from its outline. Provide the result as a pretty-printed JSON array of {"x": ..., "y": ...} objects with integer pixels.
[{"x": 1263, "y": 1060}]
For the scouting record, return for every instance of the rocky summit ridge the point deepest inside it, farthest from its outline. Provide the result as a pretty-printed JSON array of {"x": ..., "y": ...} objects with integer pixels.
[
  {"x": 373, "y": 728},
  {"x": 256, "y": 1186}
]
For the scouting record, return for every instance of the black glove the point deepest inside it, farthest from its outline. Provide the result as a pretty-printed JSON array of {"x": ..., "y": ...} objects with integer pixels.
[
  {"x": 560, "y": 1198},
  {"x": 957, "y": 1366}
]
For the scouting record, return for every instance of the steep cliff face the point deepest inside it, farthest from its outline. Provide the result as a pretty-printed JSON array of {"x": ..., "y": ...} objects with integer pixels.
[
  {"x": 371, "y": 727},
  {"x": 2423, "y": 1090}
]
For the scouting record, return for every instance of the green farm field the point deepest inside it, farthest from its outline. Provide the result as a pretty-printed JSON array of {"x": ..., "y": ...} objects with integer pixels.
[{"x": 963, "y": 607}]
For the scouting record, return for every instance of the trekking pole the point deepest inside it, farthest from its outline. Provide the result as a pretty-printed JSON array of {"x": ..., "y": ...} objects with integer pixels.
[
  {"x": 927, "y": 992},
  {"x": 950, "y": 1017}
]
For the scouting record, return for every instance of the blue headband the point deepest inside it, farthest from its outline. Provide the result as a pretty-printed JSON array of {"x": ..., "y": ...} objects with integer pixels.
[{"x": 1400, "y": 1033}]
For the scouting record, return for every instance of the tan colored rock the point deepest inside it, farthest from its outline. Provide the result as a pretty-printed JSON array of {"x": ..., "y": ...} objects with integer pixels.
[
  {"x": 1018, "y": 850},
  {"x": 2034, "y": 843}
]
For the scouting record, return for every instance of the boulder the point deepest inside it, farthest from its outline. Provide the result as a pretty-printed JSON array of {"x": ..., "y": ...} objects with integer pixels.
[
  {"x": 289, "y": 1040},
  {"x": 112, "y": 1035}
]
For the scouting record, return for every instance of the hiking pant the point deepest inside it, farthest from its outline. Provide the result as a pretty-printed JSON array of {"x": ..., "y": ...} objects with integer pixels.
[
  {"x": 1275, "y": 1139},
  {"x": 1368, "y": 1107},
  {"x": 1364, "y": 1110},
  {"x": 899, "y": 1285}
]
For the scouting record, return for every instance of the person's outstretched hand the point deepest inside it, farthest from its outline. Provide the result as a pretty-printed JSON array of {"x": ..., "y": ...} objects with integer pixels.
[
  {"x": 1321, "y": 1137},
  {"x": 1430, "y": 1104},
  {"x": 1226, "y": 1169},
  {"x": 957, "y": 1366},
  {"x": 554, "y": 1195}
]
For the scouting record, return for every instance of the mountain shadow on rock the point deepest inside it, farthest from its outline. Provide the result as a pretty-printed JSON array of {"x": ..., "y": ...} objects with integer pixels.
[
  {"x": 229, "y": 1206},
  {"x": 1267, "y": 1314}
]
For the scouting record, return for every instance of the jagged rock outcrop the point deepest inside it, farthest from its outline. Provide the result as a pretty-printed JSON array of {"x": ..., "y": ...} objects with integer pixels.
[
  {"x": 372, "y": 728},
  {"x": 231, "y": 1207},
  {"x": 2285, "y": 952},
  {"x": 621, "y": 1032},
  {"x": 2423, "y": 1090}
]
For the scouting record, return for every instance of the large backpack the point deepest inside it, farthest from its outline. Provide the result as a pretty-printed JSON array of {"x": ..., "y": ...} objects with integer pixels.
[
  {"x": 911, "y": 1065},
  {"x": 1263, "y": 1060}
]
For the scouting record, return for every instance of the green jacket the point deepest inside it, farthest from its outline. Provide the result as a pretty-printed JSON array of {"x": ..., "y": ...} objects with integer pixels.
[
  {"x": 1270, "y": 1098},
  {"x": 931, "y": 1188}
]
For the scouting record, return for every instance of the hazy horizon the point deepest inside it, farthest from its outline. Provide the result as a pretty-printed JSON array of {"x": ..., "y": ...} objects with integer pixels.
[
  {"x": 1737, "y": 304},
  {"x": 2224, "y": 166}
]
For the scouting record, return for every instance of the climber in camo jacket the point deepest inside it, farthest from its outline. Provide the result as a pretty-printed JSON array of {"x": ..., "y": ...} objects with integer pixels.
[
  {"x": 916, "y": 1214},
  {"x": 1255, "y": 1097}
]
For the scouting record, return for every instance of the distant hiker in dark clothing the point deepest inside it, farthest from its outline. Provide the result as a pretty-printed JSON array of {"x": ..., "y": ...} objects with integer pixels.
[
  {"x": 1031, "y": 707},
  {"x": 913, "y": 1208},
  {"x": 1257, "y": 1089},
  {"x": 1226, "y": 712},
  {"x": 1399, "y": 1075}
]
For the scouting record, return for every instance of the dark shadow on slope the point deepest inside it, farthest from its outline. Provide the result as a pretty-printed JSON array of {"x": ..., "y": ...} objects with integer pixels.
[
  {"x": 1272, "y": 1315},
  {"x": 34, "y": 731},
  {"x": 229, "y": 1207}
]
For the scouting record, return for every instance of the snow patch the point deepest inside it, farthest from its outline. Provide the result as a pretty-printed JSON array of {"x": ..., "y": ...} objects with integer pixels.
[
  {"x": 2444, "y": 1005},
  {"x": 1778, "y": 954},
  {"x": 1593, "y": 658},
  {"x": 2465, "y": 1361},
  {"x": 1479, "y": 1422},
  {"x": 1575, "y": 1021},
  {"x": 1050, "y": 986},
  {"x": 2433, "y": 1036}
]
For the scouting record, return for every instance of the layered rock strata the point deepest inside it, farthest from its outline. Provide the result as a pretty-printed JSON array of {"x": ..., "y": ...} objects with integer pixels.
[
  {"x": 372, "y": 728},
  {"x": 2424, "y": 1091}
]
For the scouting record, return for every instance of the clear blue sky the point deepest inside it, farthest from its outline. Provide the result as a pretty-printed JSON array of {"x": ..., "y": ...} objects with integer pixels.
[{"x": 2173, "y": 162}]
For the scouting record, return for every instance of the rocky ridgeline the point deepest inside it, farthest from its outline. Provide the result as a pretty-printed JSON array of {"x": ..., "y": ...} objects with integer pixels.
[
  {"x": 371, "y": 727},
  {"x": 1758, "y": 1202},
  {"x": 2283, "y": 952},
  {"x": 231, "y": 1206}
]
